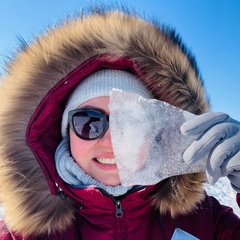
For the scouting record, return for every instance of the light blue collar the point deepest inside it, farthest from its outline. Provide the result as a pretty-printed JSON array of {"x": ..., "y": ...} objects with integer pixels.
[{"x": 72, "y": 174}]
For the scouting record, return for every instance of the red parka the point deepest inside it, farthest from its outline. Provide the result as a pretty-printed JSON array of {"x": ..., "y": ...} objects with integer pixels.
[
  {"x": 37, "y": 203},
  {"x": 133, "y": 217}
]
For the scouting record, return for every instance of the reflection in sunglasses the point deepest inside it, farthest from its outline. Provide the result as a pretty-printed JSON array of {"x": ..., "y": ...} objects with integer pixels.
[{"x": 88, "y": 124}]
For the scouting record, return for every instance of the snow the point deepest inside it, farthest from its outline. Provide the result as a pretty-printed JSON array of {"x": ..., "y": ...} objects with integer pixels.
[{"x": 224, "y": 193}]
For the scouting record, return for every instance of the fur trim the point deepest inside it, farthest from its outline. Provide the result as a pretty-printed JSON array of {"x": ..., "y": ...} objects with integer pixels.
[
  {"x": 169, "y": 70},
  {"x": 179, "y": 194}
]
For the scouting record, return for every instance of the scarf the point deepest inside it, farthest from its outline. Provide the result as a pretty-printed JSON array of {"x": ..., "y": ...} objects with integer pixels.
[{"x": 72, "y": 174}]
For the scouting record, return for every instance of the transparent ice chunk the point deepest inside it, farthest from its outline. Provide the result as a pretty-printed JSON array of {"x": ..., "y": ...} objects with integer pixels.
[{"x": 146, "y": 138}]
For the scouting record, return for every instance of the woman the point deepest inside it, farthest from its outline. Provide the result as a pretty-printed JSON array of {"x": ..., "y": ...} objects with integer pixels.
[{"x": 60, "y": 181}]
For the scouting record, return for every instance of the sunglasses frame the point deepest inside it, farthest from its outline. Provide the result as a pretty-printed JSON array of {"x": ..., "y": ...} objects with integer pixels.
[{"x": 103, "y": 114}]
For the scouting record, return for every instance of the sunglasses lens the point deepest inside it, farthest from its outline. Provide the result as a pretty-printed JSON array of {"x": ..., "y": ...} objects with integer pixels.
[{"x": 89, "y": 124}]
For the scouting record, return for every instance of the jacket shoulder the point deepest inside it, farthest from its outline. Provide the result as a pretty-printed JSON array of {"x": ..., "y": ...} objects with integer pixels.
[
  {"x": 227, "y": 223},
  {"x": 4, "y": 233}
]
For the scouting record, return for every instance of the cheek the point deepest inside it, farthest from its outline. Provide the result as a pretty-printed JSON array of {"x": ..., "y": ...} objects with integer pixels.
[{"x": 79, "y": 148}]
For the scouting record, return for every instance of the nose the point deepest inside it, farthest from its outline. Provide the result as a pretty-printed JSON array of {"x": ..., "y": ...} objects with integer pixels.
[{"x": 106, "y": 140}]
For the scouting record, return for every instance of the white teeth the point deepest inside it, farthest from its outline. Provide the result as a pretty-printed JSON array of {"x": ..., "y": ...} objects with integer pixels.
[{"x": 110, "y": 161}]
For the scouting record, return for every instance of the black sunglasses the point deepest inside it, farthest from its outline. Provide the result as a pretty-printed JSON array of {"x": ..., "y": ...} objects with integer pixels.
[{"x": 87, "y": 123}]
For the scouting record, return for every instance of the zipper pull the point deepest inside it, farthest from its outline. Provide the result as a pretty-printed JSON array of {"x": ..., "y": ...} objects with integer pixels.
[{"x": 119, "y": 212}]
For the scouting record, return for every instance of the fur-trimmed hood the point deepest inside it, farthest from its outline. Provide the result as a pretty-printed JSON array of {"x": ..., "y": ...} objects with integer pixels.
[{"x": 35, "y": 90}]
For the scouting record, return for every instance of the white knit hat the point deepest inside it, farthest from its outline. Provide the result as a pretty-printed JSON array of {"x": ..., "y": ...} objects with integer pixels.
[{"x": 100, "y": 84}]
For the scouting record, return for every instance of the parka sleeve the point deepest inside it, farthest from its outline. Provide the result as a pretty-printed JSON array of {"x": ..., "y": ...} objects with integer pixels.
[
  {"x": 5, "y": 234},
  {"x": 238, "y": 199},
  {"x": 226, "y": 223}
]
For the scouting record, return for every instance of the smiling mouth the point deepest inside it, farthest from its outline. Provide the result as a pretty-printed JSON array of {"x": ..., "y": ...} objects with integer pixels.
[{"x": 108, "y": 161}]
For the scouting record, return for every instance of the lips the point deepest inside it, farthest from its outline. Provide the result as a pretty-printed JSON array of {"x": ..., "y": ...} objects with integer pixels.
[{"x": 108, "y": 161}]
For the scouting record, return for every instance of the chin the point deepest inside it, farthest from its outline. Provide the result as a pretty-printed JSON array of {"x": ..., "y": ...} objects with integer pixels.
[{"x": 110, "y": 182}]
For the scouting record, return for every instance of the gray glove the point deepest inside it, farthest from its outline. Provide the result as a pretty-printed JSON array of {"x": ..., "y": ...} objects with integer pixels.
[{"x": 218, "y": 137}]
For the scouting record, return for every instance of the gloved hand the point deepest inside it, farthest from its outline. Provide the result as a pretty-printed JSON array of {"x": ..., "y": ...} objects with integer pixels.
[{"x": 218, "y": 137}]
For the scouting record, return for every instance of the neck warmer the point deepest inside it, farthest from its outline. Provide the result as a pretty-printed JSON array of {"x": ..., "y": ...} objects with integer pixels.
[{"x": 72, "y": 174}]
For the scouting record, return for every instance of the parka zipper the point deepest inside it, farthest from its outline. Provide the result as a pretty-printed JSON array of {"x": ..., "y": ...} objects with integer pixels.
[
  {"x": 118, "y": 201},
  {"x": 119, "y": 212}
]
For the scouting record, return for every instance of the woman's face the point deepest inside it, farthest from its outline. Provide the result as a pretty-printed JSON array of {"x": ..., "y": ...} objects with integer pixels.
[{"x": 96, "y": 157}]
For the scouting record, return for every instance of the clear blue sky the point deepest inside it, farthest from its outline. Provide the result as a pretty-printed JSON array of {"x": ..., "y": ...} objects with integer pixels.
[{"x": 210, "y": 28}]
